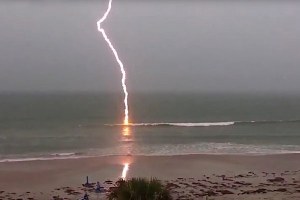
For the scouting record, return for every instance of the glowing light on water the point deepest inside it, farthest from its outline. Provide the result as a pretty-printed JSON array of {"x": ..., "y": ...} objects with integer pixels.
[
  {"x": 126, "y": 131},
  {"x": 125, "y": 170},
  {"x": 100, "y": 29}
]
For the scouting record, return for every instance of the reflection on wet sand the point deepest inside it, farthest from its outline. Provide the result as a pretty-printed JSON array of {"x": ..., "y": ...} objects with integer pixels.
[
  {"x": 126, "y": 136},
  {"x": 125, "y": 170}
]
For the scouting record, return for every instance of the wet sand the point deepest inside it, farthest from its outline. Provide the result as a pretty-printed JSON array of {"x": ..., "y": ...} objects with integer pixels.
[{"x": 188, "y": 176}]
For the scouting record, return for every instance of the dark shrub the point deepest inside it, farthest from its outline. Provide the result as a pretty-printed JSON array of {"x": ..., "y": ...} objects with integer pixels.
[{"x": 139, "y": 189}]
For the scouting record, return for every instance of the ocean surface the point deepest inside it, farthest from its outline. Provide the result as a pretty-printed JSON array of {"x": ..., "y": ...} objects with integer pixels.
[{"x": 59, "y": 126}]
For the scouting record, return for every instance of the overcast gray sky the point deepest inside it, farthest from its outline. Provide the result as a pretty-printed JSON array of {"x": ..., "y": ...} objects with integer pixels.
[{"x": 226, "y": 45}]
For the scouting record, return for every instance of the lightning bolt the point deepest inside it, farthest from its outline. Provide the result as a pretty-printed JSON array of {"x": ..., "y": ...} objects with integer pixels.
[{"x": 100, "y": 29}]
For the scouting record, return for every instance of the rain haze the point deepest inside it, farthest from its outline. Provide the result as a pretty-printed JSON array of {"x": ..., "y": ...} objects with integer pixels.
[
  {"x": 179, "y": 46},
  {"x": 210, "y": 106}
]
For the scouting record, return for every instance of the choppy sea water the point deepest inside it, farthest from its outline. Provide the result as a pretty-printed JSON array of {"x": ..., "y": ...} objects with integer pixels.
[{"x": 60, "y": 126}]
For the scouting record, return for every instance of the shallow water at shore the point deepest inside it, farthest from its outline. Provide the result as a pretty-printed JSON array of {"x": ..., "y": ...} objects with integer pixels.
[{"x": 59, "y": 126}]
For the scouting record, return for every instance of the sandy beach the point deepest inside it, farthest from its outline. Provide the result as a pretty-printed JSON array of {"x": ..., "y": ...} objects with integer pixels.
[{"x": 188, "y": 176}]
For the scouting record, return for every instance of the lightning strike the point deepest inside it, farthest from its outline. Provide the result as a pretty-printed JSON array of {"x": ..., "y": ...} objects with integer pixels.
[{"x": 100, "y": 29}]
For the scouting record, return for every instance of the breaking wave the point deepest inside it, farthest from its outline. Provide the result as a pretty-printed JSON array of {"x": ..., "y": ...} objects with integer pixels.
[
  {"x": 185, "y": 124},
  {"x": 206, "y": 124},
  {"x": 54, "y": 156}
]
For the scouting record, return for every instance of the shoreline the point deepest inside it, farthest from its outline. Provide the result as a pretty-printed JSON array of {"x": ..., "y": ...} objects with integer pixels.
[{"x": 51, "y": 157}]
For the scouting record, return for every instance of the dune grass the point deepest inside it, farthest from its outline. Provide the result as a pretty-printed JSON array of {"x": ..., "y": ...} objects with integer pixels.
[{"x": 139, "y": 189}]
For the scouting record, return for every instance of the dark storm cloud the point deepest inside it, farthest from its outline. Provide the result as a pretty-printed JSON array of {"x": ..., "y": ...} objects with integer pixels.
[{"x": 165, "y": 45}]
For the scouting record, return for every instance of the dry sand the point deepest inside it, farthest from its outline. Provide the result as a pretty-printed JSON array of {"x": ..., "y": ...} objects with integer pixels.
[{"x": 188, "y": 177}]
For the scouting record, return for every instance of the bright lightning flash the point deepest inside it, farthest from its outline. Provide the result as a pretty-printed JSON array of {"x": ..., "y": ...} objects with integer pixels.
[
  {"x": 125, "y": 170},
  {"x": 100, "y": 29}
]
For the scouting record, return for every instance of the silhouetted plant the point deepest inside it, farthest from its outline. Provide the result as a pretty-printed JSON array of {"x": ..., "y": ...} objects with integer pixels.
[{"x": 139, "y": 189}]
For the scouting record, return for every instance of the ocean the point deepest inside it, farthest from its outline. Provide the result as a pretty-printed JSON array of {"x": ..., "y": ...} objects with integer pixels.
[{"x": 40, "y": 126}]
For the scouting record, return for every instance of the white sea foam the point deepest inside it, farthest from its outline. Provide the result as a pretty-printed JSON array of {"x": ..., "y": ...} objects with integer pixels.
[
  {"x": 204, "y": 124},
  {"x": 126, "y": 149},
  {"x": 196, "y": 148},
  {"x": 53, "y": 156},
  {"x": 39, "y": 158},
  {"x": 63, "y": 154}
]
